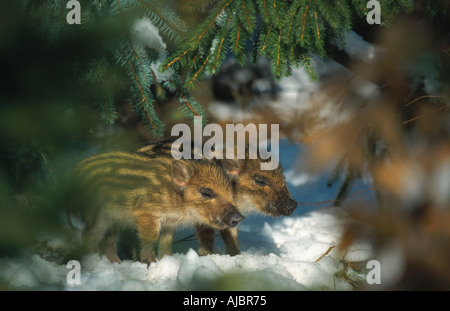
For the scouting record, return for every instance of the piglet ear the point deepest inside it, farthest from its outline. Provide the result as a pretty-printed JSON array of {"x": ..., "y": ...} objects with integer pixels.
[
  {"x": 233, "y": 167},
  {"x": 181, "y": 173}
]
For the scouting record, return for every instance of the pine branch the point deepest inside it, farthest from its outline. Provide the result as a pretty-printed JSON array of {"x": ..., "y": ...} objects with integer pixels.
[
  {"x": 195, "y": 6},
  {"x": 292, "y": 14},
  {"x": 144, "y": 103},
  {"x": 306, "y": 63},
  {"x": 226, "y": 3},
  {"x": 109, "y": 113},
  {"x": 199, "y": 71},
  {"x": 188, "y": 105},
  {"x": 265, "y": 40},
  {"x": 221, "y": 48},
  {"x": 193, "y": 44},
  {"x": 239, "y": 38},
  {"x": 161, "y": 16},
  {"x": 227, "y": 30},
  {"x": 177, "y": 59},
  {"x": 263, "y": 9},
  {"x": 304, "y": 22},
  {"x": 317, "y": 25},
  {"x": 277, "y": 19},
  {"x": 278, "y": 72},
  {"x": 247, "y": 13}
]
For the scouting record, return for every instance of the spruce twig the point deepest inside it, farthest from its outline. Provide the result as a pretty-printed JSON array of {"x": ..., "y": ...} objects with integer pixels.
[{"x": 324, "y": 254}]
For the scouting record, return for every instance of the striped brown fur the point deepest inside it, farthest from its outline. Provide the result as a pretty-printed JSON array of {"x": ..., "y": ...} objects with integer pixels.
[
  {"x": 254, "y": 191},
  {"x": 151, "y": 193}
]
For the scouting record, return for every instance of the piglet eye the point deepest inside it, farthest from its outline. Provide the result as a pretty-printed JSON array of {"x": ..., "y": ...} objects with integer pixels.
[
  {"x": 260, "y": 180},
  {"x": 207, "y": 193}
]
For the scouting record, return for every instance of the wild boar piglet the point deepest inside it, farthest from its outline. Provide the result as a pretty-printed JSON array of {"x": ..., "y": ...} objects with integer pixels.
[{"x": 151, "y": 195}]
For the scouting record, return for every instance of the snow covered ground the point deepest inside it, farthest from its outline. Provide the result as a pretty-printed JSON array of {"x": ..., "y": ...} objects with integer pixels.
[
  {"x": 298, "y": 252},
  {"x": 277, "y": 254}
]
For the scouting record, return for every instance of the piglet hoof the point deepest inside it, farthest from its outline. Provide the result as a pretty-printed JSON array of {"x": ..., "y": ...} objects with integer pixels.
[
  {"x": 148, "y": 262},
  {"x": 233, "y": 252},
  {"x": 202, "y": 251},
  {"x": 148, "y": 259}
]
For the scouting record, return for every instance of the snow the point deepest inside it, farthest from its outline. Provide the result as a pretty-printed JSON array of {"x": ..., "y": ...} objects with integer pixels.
[
  {"x": 279, "y": 253},
  {"x": 282, "y": 253},
  {"x": 356, "y": 47},
  {"x": 276, "y": 254},
  {"x": 147, "y": 35},
  {"x": 161, "y": 76},
  {"x": 298, "y": 252}
]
